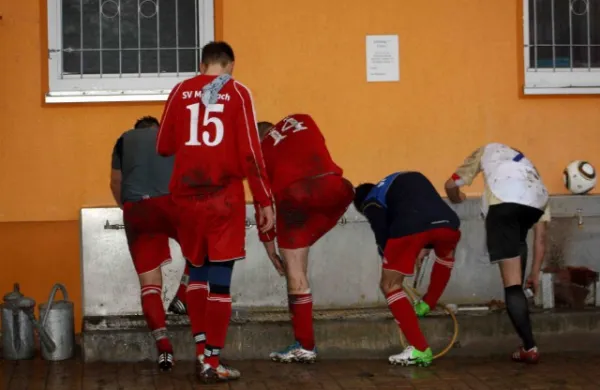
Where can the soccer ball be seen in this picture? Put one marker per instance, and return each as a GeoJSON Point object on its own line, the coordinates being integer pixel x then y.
{"type": "Point", "coordinates": [579, 177]}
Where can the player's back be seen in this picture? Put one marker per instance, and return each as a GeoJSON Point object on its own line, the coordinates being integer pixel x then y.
{"type": "Point", "coordinates": [207, 136]}
{"type": "Point", "coordinates": [144, 173]}
{"type": "Point", "coordinates": [416, 206]}
{"type": "Point", "coordinates": [295, 149]}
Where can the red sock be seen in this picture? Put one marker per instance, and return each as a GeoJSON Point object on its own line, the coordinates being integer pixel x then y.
{"type": "Point", "coordinates": [218, 310]}
{"type": "Point", "coordinates": [302, 321]}
{"type": "Point", "coordinates": [197, 293]}
{"type": "Point", "coordinates": [182, 291]}
{"type": "Point", "coordinates": [406, 318]}
{"type": "Point", "coordinates": [154, 312]}
{"type": "Point", "coordinates": [440, 275]}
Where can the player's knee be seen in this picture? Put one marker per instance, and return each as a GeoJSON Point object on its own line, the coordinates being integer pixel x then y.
{"type": "Point", "coordinates": [298, 283]}
{"type": "Point", "coordinates": [219, 274]}
{"type": "Point", "coordinates": [199, 274]}
{"type": "Point", "coordinates": [153, 277]}
{"type": "Point", "coordinates": [390, 281]}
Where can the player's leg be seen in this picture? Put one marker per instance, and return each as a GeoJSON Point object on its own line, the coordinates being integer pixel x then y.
{"type": "Point", "coordinates": [149, 251]}
{"type": "Point", "coordinates": [399, 261]}
{"type": "Point", "coordinates": [178, 304]}
{"type": "Point", "coordinates": [444, 241]}
{"type": "Point", "coordinates": [503, 242]}
{"type": "Point", "coordinates": [197, 294]}
{"type": "Point", "coordinates": [300, 305]}
{"type": "Point", "coordinates": [226, 235]}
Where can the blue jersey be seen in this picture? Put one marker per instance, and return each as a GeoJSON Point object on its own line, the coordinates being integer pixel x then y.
{"type": "Point", "coordinates": [406, 203]}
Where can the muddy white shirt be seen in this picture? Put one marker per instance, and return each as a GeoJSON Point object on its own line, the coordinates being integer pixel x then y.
{"type": "Point", "coordinates": [509, 177]}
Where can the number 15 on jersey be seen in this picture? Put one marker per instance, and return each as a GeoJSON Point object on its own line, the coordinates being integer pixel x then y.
{"type": "Point", "coordinates": [211, 125]}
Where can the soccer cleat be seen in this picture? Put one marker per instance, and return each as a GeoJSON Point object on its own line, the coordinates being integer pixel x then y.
{"type": "Point", "coordinates": [412, 357]}
{"type": "Point", "coordinates": [207, 374]}
{"type": "Point", "coordinates": [294, 353]}
{"type": "Point", "coordinates": [531, 357]}
{"type": "Point", "coordinates": [165, 361]}
{"type": "Point", "coordinates": [422, 309]}
{"type": "Point", "coordinates": [177, 307]}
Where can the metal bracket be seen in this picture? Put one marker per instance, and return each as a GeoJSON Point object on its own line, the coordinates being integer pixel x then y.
{"type": "Point", "coordinates": [116, 226]}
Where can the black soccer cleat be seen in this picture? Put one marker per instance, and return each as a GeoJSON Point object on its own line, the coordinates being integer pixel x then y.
{"type": "Point", "coordinates": [177, 307]}
{"type": "Point", "coordinates": [165, 361]}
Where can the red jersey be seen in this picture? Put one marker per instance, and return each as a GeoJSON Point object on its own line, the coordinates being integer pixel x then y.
{"type": "Point", "coordinates": [295, 149]}
{"type": "Point", "coordinates": [214, 145]}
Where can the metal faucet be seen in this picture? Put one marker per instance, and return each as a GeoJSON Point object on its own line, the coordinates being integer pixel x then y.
{"type": "Point", "coordinates": [579, 215]}
{"type": "Point", "coordinates": [115, 226]}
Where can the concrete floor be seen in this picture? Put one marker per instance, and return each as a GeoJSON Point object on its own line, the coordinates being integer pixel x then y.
{"type": "Point", "coordinates": [564, 371]}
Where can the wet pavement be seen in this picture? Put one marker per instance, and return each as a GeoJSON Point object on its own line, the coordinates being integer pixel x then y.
{"type": "Point", "coordinates": [569, 371]}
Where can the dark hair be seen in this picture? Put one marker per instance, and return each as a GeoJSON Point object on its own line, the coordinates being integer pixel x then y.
{"type": "Point", "coordinates": [360, 194]}
{"type": "Point", "coordinates": [217, 53]}
{"type": "Point", "coordinates": [263, 128]}
{"type": "Point", "coordinates": [145, 122]}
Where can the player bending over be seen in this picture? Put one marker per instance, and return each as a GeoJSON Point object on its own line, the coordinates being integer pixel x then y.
{"type": "Point", "coordinates": [209, 125]}
{"type": "Point", "coordinates": [140, 185]}
{"type": "Point", "coordinates": [514, 201]}
{"type": "Point", "coordinates": [310, 197]}
{"type": "Point", "coordinates": [408, 215]}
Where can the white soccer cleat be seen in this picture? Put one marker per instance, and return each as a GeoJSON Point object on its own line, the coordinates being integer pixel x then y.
{"type": "Point", "coordinates": [412, 357]}
{"type": "Point", "coordinates": [294, 353]}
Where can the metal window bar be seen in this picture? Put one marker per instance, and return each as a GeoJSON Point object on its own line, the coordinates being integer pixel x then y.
{"type": "Point", "coordinates": [158, 38]}
{"type": "Point", "coordinates": [177, 35]}
{"type": "Point", "coordinates": [196, 36]}
{"type": "Point", "coordinates": [120, 38]}
{"type": "Point", "coordinates": [62, 42]}
{"type": "Point", "coordinates": [100, 16]}
{"type": "Point", "coordinates": [571, 35]}
{"type": "Point", "coordinates": [535, 40]}
{"type": "Point", "coordinates": [139, 36]}
{"type": "Point", "coordinates": [553, 27]}
{"type": "Point", "coordinates": [589, 34]}
{"type": "Point", "coordinates": [81, 38]}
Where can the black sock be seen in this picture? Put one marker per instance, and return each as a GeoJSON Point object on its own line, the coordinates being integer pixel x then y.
{"type": "Point", "coordinates": [518, 311]}
{"type": "Point", "coordinates": [523, 253]}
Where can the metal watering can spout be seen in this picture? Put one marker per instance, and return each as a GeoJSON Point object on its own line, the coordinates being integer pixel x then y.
{"type": "Point", "coordinates": [44, 336]}
{"type": "Point", "coordinates": [12, 300]}
{"type": "Point", "coordinates": [56, 326]}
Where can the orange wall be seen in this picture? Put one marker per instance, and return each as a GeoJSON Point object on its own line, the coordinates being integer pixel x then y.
{"type": "Point", "coordinates": [461, 78]}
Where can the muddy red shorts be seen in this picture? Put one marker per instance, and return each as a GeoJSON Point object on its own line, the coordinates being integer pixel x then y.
{"type": "Point", "coordinates": [148, 225]}
{"type": "Point", "coordinates": [401, 253]}
{"type": "Point", "coordinates": [309, 208]}
{"type": "Point", "coordinates": [213, 226]}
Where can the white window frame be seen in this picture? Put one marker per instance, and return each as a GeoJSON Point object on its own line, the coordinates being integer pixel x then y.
{"type": "Point", "coordinates": [112, 88]}
{"type": "Point", "coordinates": [559, 81]}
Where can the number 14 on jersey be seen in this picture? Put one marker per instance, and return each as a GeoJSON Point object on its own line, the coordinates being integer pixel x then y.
{"type": "Point", "coordinates": [289, 124]}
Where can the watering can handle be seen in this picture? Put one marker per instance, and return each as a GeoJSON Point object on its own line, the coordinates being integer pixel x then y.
{"type": "Point", "coordinates": [63, 290]}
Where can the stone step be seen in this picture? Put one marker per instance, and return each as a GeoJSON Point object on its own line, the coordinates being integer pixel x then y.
{"type": "Point", "coordinates": [343, 334]}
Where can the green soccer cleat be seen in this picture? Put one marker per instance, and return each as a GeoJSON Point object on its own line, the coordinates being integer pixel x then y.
{"type": "Point", "coordinates": [412, 357]}
{"type": "Point", "coordinates": [422, 309]}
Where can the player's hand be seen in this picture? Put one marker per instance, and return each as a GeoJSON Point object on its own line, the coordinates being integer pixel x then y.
{"type": "Point", "coordinates": [422, 255]}
{"type": "Point", "coordinates": [462, 196]}
{"type": "Point", "coordinates": [274, 257]}
{"type": "Point", "coordinates": [533, 282]}
{"type": "Point", "coordinates": [266, 219]}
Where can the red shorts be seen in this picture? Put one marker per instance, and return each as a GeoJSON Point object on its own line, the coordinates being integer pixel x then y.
{"type": "Point", "coordinates": [148, 225]}
{"type": "Point", "coordinates": [214, 226]}
{"type": "Point", "coordinates": [309, 208]}
{"type": "Point", "coordinates": [401, 253]}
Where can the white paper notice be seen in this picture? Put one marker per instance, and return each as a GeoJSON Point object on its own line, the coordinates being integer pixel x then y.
{"type": "Point", "coordinates": [383, 58]}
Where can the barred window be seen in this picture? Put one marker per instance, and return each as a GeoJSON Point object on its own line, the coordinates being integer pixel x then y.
{"type": "Point", "coordinates": [124, 50]}
{"type": "Point", "coordinates": [562, 46]}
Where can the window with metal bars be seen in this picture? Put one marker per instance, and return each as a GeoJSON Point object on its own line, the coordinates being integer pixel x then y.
{"type": "Point", "coordinates": [124, 50]}
{"type": "Point", "coordinates": [562, 46]}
